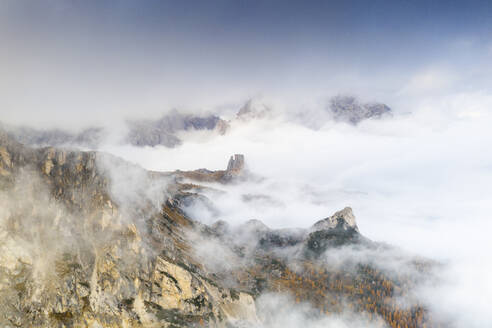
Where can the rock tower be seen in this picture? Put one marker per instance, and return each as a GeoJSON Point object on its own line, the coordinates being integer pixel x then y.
{"type": "Point", "coordinates": [236, 163]}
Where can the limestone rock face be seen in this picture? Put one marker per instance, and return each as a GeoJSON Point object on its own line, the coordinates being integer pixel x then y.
{"type": "Point", "coordinates": [73, 254]}
{"type": "Point", "coordinates": [236, 163]}
{"type": "Point", "coordinates": [6, 161]}
{"type": "Point", "coordinates": [343, 219]}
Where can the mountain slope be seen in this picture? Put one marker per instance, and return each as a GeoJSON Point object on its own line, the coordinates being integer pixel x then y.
{"type": "Point", "coordinates": [90, 240]}
{"type": "Point", "coordinates": [72, 256]}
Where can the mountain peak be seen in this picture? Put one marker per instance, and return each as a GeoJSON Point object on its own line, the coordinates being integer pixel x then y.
{"type": "Point", "coordinates": [253, 109]}
{"type": "Point", "coordinates": [344, 219]}
{"type": "Point", "coordinates": [351, 110]}
{"type": "Point", "coordinates": [236, 163]}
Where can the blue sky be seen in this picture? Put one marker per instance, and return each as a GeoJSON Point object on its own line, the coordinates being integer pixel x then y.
{"type": "Point", "coordinates": [128, 56]}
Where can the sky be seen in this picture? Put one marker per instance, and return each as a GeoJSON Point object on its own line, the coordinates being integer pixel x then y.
{"type": "Point", "coordinates": [90, 62]}
{"type": "Point", "coordinates": [419, 180]}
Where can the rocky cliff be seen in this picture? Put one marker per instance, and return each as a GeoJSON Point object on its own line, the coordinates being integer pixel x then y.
{"type": "Point", "coordinates": [73, 256]}
{"type": "Point", "coordinates": [236, 171]}
{"type": "Point", "coordinates": [88, 240]}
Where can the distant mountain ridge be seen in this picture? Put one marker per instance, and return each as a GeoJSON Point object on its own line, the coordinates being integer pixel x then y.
{"type": "Point", "coordinates": [160, 132]}
{"type": "Point", "coordinates": [165, 131]}
{"type": "Point", "coordinates": [351, 110]}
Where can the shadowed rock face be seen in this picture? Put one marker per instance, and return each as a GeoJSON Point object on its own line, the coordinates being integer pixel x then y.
{"type": "Point", "coordinates": [162, 131]}
{"type": "Point", "coordinates": [350, 109]}
{"type": "Point", "coordinates": [320, 241]}
{"type": "Point", "coordinates": [340, 229]}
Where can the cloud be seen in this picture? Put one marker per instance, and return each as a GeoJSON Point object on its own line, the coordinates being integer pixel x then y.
{"type": "Point", "coordinates": [279, 310]}
{"type": "Point", "coordinates": [429, 80]}
{"type": "Point", "coordinates": [419, 181]}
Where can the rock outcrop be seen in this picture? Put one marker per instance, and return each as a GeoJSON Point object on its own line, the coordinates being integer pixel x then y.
{"type": "Point", "coordinates": [349, 109]}
{"type": "Point", "coordinates": [236, 163]}
{"type": "Point", "coordinates": [235, 168]}
{"type": "Point", "coordinates": [235, 172]}
{"type": "Point", "coordinates": [343, 219]}
{"type": "Point", "coordinates": [163, 131]}
{"type": "Point", "coordinates": [340, 229]}
{"type": "Point", "coordinates": [252, 110]}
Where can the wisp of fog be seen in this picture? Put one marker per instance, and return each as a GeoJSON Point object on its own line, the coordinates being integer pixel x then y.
{"type": "Point", "coordinates": [419, 180]}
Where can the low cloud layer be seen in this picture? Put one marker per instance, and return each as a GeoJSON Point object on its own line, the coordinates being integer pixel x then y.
{"type": "Point", "coordinates": [420, 181]}
{"type": "Point", "coordinates": [279, 310]}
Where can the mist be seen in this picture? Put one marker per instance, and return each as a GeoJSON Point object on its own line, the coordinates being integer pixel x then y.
{"type": "Point", "coordinates": [419, 180]}
{"type": "Point", "coordinates": [286, 313]}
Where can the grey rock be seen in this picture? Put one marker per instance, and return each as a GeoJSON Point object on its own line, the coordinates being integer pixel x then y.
{"type": "Point", "coordinates": [162, 131]}
{"type": "Point", "coordinates": [236, 163]}
{"type": "Point", "coordinates": [343, 219]}
{"type": "Point", "coordinates": [253, 110]}
{"type": "Point", "coordinates": [349, 109]}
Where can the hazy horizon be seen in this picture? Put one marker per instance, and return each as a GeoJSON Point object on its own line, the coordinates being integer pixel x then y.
{"type": "Point", "coordinates": [87, 62]}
